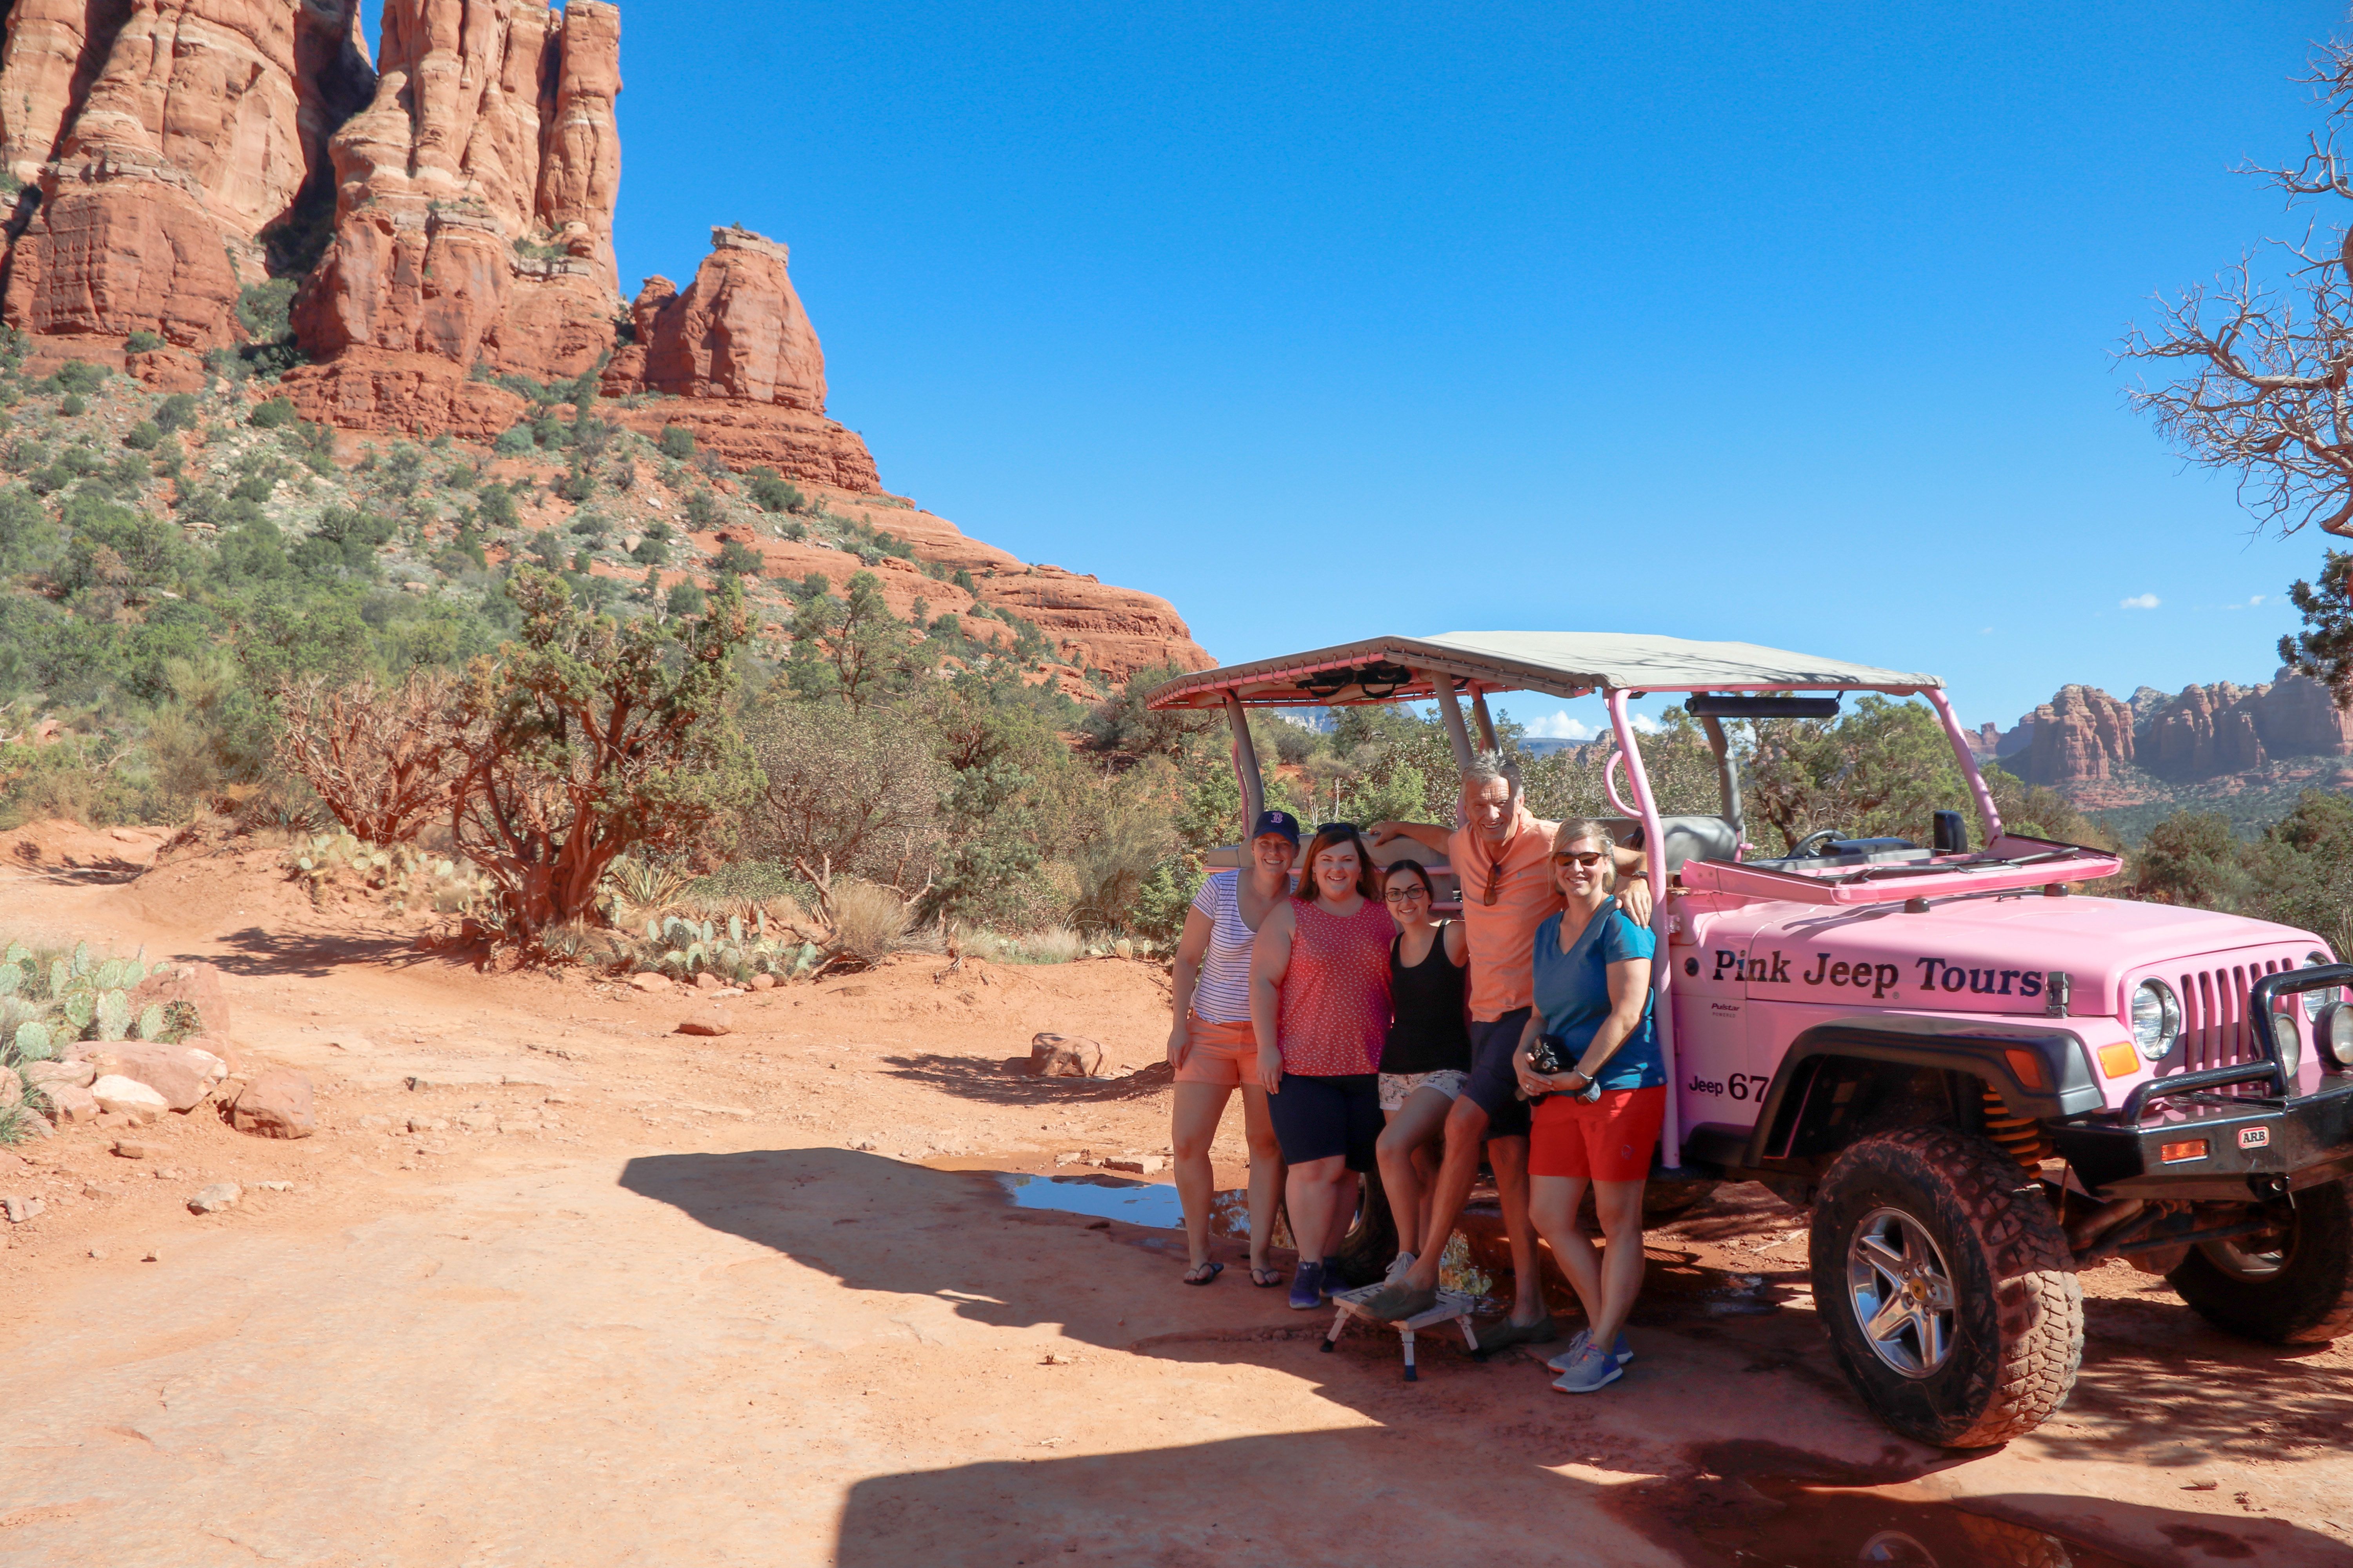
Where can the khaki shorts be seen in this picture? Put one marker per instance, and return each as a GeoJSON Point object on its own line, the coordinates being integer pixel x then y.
{"type": "Point", "coordinates": [1225, 1054]}
{"type": "Point", "coordinates": [1396, 1088]}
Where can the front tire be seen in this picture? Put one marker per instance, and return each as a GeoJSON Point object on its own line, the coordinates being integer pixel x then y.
{"type": "Point", "coordinates": [1945, 1285]}
{"type": "Point", "coordinates": [2293, 1290]}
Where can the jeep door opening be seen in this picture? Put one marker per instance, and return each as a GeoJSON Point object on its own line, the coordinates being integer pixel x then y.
{"type": "Point", "coordinates": [1977, 1080]}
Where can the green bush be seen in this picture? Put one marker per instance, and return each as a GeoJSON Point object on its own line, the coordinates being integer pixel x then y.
{"type": "Point", "coordinates": [738, 559]}
{"type": "Point", "coordinates": [685, 599]}
{"type": "Point", "coordinates": [72, 404]}
{"type": "Point", "coordinates": [144, 437]}
{"type": "Point", "coordinates": [274, 414]}
{"type": "Point", "coordinates": [177, 412]}
{"type": "Point", "coordinates": [650, 551]}
{"type": "Point", "coordinates": [772, 492]}
{"type": "Point", "coordinates": [80, 376]}
{"type": "Point", "coordinates": [143, 342]}
{"type": "Point", "coordinates": [676, 442]}
{"type": "Point", "coordinates": [514, 442]}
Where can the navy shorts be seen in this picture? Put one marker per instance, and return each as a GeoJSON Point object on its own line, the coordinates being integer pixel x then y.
{"type": "Point", "coordinates": [1316, 1117]}
{"type": "Point", "coordinates": [1493, 1087]}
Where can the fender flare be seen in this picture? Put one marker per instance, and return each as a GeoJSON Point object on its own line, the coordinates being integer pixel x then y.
{"type": "Point", "coordinates": [2057, 1057]}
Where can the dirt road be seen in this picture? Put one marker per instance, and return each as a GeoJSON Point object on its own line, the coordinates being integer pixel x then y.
{"type": "Point", "coordinates": [763, 1299]}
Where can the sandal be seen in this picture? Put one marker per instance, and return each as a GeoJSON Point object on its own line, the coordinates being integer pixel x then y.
{"type": "Point", "coordinates": [1194, 1276]}
{"type": "Point", "coordinates": [1266, 1278]}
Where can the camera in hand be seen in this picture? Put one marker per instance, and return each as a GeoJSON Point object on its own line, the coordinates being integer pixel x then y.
{"type": "Point", "coordinates": [1545, 1057]}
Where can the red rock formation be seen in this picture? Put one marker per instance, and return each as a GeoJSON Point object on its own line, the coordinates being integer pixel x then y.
{"type": "Point", "coordinates": [177, 135]}
{"type": "Point", "coordinates": [738, 353]}
{"type": "Point", "coordinates": [2298, 717]}
{"type": "Point", "coordinates": [473, 216]}
{"type": "Point", "coordinates": [2080, 735]}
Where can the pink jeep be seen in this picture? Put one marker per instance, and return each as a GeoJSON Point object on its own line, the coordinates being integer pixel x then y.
{"type": "Point", "coordinates": [1980, 1079]}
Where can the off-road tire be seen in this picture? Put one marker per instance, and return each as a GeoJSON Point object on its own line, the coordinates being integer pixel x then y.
{"type": "Point", "coordinates": [2309, 1301]}
{"type": "Point", "coordinates": [2017, 1316]}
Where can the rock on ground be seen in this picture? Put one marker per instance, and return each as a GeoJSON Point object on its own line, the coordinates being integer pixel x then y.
{"type": "Point", "coordinates": [128, 1097]}
{"type": "Point", "coordinates": [214, 1198]}
{"type": "Point", "coordinates": [275, 1105]}
{"type": "Point", "coordinates": [1065, 1055]}
{"type": "Point", "coordinates": [182, 1075]}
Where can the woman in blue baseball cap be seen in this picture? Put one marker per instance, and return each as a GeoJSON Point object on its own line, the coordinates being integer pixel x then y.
{"type": "Point", "coordinates": [1213, 1050]}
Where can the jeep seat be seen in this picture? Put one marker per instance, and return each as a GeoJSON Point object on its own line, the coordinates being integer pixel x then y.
{"type": "Point", "coordinates": [1688, 837]}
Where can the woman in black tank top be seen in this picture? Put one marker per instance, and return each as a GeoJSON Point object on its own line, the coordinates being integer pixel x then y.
{"type": "Point", "coordinates": [1426, 1055]}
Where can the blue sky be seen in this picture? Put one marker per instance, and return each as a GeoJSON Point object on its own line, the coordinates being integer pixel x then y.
{"type": "Point", "coordinates": [1784, 322]}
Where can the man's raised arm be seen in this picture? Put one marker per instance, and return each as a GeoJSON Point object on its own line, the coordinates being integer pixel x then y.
{"type": "Point", "coordinates": [1427, 835]}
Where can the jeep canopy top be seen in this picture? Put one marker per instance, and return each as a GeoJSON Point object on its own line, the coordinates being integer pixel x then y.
{"type": "Point", "coordinates": [1560, 664]}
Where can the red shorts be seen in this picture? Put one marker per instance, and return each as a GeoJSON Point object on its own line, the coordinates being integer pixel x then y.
{"type": "Point", "coordinates": [1607, 1140]}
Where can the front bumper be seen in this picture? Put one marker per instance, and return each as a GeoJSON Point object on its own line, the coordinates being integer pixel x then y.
{"type": "Point", "coordinates": [2215, 1146]}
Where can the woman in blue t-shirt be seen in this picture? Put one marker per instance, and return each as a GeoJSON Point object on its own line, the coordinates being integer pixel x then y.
{"type": "Point", "coordinates": [1597, 1120]}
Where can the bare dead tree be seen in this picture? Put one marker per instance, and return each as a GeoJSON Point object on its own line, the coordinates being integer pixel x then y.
{"type": "Point", "coordinates": [2264, 383]}
{"type": "Point", "coordinates": [383, 761]}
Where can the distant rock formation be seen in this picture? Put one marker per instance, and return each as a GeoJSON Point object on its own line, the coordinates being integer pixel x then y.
{"type": "Point", "coordinates": [2084, 736]}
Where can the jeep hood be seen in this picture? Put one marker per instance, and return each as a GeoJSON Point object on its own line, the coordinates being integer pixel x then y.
{"type": "Point", "coordinates": [1993, 956]}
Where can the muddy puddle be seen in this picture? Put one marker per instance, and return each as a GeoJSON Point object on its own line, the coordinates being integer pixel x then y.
{"type": "Point", "coordinates": [1153, 1205]}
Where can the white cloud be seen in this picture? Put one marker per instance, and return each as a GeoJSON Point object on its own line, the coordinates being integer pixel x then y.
{"type": "Point", "coordinates": [2139, 602]}
{"type": "Point", "coordinates": [1560, 727]}
{"type": "Point", "coordinates": [2254, 599]}
{"type": "Point", "coordinates": [1646, 725]}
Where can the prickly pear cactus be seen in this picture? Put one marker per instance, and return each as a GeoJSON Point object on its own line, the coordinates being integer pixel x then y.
{"type": "Point", "coordinates": [80, 1007]}
{"type": "Point", "coordinates": [707, 933]}
{"type": "Point", "coordinates": [108, 975]}
{"type": "Point", "coordinates": [82, 958]}
{"type": "Point", "coordinates": [33, 1042]}
{"type": "Point", "coordinates": [653, 931]}
{"type": "Point", "coordinates": [113, 1015]}
{"type": "Point", "coordinates": [134, 971]}
{"type": "Point", "coordinates": [181, 1019]}
{"type": "Point", "coordinates": [151, 1020]}
{"type": "Point", "coordinates": [60, 976]}
{"type": "Point", "coordinates": [18, 953]}
{"type": "Point", "coordinates": [11, 979]}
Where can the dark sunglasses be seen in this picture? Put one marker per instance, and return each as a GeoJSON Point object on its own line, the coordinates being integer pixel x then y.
{"type": "Point", "coordinates": [1588, 859]}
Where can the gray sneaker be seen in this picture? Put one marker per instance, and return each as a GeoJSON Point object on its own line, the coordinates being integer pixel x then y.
{"type": "Point", "coordinates": [1577, 1344]}
{"type": "Point", "coordinates": [1590, 1372]}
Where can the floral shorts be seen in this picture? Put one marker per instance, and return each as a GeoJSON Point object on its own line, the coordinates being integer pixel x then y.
{"type": "Point", "coordinates": [1396, 1088]}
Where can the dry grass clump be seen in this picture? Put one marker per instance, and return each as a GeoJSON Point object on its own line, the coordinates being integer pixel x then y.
{"type": "Point", "coordinates": [870, 922]}
{"type": "Point", "coordinates": [1055, 944]}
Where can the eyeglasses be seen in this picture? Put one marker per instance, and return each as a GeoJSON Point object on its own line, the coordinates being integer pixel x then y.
{"type": "Point", "coordinates": [1403, 894]}
{"type": "Point", "coordinates": [1588, 859]}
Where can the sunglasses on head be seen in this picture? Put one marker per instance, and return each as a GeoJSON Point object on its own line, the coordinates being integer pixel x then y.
{"type": "Point", "coordinates": [1350, 828]}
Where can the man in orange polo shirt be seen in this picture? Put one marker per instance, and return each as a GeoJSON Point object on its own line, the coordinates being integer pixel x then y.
{"type": "Point", "coordinates": [1503, 856]}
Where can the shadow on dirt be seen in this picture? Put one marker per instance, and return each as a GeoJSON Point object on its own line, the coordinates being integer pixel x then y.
{"type": "Point", "coordinates": [990, 1083]}
{"type": "Point", "coordinates": [255, 950]}
{"type": "Point", "coordinates": [1464, 1456]}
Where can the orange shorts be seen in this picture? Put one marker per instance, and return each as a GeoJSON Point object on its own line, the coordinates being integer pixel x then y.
{"type": "Point", "coordinates": [1607, 1140]}
{"type": "Point", "coordinates": [1222, 1053]}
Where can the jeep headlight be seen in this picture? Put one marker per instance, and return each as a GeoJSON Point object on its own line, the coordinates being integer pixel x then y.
{"type": "Point", "coordinates": [2314, 1000]}
{"type": "Point", "coordinates": [2288, 1041]}
{"type": "Point", "coordinates": [2333, 1032]}
{"type": "Point", "coordinates": [2156, 1020]}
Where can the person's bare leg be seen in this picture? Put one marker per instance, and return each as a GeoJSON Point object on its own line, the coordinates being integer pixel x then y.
{"type": "Point", "coordinates": [1399, 1150]}
{"type": "Point", "coordinates": [1266, 1173]}
{"type": "Point", "coordinates": [1193, 1127]}
{"type": "Point", "coordinates": [1466, 1129]}
{"type": "Point", "coordinates": [1308, 1189]}
{"type": "Point", "coordinates": [1509, 1157]}
{"type": "Point", "coordinates": [1552, 1209]}
{"type": "Point", "coordinates": [1425, 1170]}
{"type": "Point", "coordinates": [1343, 1214]}
{"type": "Point", "coordinates": [1619, 1207]}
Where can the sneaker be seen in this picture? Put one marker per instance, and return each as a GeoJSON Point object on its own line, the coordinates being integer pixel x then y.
{"type": "Point", "coordinates": [1331, 1280]}
{"type": "Point", "coordinates": [1397, 1266]}
{"type": "Point", "coordinates": [1577, 1344]}
{"type": "Point", "coordinates": [1398, 1301]}
{"type": "Point", "coordinates": [1307, 1287]}
{"type": "Point", "coordinates": [1596, 1369]}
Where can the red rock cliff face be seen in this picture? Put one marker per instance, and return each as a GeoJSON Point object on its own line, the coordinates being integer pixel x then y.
{"type": "Point", "coordinates": [162, 138]}
{"type": "Point", "coordinates": [473, 218]}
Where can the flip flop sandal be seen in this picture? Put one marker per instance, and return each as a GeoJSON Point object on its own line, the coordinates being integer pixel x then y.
{"type": "Point", "coordinates": [1268, 1279]}
{"type": "Point", "coordinates": [1214, 1269]}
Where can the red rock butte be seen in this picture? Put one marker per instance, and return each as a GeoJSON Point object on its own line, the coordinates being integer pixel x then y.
{"type": "Point", "coordinates": [446, 215]}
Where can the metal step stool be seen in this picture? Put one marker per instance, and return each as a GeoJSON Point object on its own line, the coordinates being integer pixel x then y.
{"type": "Point", "coordinates": [1452, 1306]}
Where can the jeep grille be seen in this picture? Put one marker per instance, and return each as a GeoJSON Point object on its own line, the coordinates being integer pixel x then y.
{"type": "Point", "coordinates": [2214, 1032]}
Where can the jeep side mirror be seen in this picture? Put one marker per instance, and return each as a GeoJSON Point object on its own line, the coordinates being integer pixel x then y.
{"type": "Point", "coordinates": [1952, 832]}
